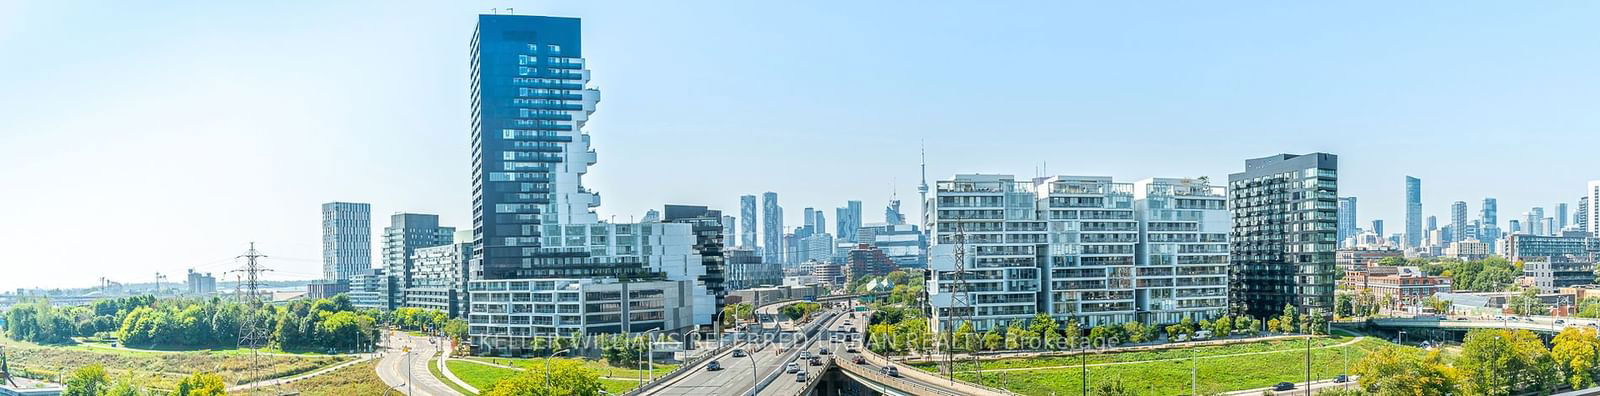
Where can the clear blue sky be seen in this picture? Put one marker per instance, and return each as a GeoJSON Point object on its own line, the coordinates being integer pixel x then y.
{"type": "Point", "coordinates": [139, 138]}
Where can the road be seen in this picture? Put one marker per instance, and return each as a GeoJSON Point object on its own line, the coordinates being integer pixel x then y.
{"type": "Point", "coordinates": [397, 372]}
{"type": "Point", "coordinates": [786, 385]}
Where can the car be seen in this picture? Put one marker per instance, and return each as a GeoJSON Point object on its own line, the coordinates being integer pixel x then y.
{"type": "Point", "coordinates": [800, 377]}
{"type": "Point", "coordinates": [1591, 324]}
{"type": "Point", "coordinates": [713, 366]}
{"type": "Point", "coordinates": [1341, 379]}
{"type": "Point", "coordinates": [805, 355]}
{"type": "Point", "coordinates": [835, 340]}
{"type": "Point", "coordinates": [815, 361]}
{"type": "Point", "coordinates": [1461, 319]}
{"type": "Point", "coordinates": [823, 351]}
{"type": "Point", "coordinates": [889, 371]}
{"type": "Point", "coordinates": [1499, 318]}
{"type": "Point", "coordinates": [791, 368]}
{"type": "Point", "coordinates": [739, 353]}
{"type": "Point", "coordinates": [1283, 386]}
{"type": "Point", "coordinates": [851, 349]}
{"type": "Point", "coordinates": [1559, 321]}
{"type": "Point", "coordinates": [853, 330]}
{"type": "Point", "coordinates": [1529, 320]}
{"type": "Point", "coordinates": [859, 360]}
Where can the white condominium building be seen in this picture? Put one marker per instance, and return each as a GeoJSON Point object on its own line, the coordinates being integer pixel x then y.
{"type": "Point", "coordinates": [1080, 248]}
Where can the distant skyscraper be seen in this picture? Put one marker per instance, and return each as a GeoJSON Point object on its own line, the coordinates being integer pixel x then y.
{"type": "Point", "coordinates": [747, 222]}
{"type": "Point", "coordinates": [819, 223]}
{"type": "Point", "coordinates": [1289, 198]}
{"type": "Point", "coordinates": [1377, 227]}
{"type": "Point", "coordinates": [1491, 221]}
{"type": "Point", "coordinates": [1535, 221]}
{"type": "Point", "coordinates": [406, 233]}
{"type": "Point", "coordinates": [1432, 224]}
{"type": "Point", "coordinates": [651, 216]}
{"type": "Point", "coordinates": [1347, 218]}
{"type": "Point", "coordinates": [346, 239]}
{"type": "Point", "coordinates": [730, 228]}
{"type": "Point", "coordinates": [1514, 226]}
{"type": "Point", "coordinates": [1413, 212]}
{"type": "Point", "coordinates": [1458, 220]}
{"type": "Point", "coordinates": [771, 228]}
{"type": "Point", "coordinates": [1561, 216]}
{"type": "Point", "coordinates": [1581, 218]}
{"type": "Point", "coordinates": [891, 213]}
{"type": "Point", "coordinates": [848, 220]}
{"type": "Point", "coordinates": [1591, 203]}
{"type": "Point", "coordinates": [809, 218]}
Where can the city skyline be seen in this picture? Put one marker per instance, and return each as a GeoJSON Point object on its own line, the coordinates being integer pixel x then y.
{"type": "Point", "coordinates": [257, 172]}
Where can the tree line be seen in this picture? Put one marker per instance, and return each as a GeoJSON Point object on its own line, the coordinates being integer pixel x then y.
{"type": "Point", "coordinates": [185, 323]}
{"type": "Point", "coordinates": [901, 330]}
{"type": "Point", "coordinates": [1491, 362]}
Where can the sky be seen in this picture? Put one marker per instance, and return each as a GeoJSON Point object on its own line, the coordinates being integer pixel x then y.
{"type": "Point", "coordinates": [157, 137]}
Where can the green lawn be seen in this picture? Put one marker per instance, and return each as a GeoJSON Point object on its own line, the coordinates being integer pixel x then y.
{"type": "Point", "coordinates": [479, 376]}
{"type": "Point", "coordinates": [433, 368]}
{"type": "Point", "coordinates": [1215, 373]}
{"type": "Point", "coordinates": [617, 387]}
{"type": "Point", "coordinates": [483, 377]}
{"type": "Point", "coordinates": [599, 366]}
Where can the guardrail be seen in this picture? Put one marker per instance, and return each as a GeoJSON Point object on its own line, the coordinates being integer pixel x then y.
{"type": "Point", "coordinates": [693, 363]}
{"type": "Point", "coordinates": [688, 365]}
{"type": "Point", "coordinates": [809, 329]}
{"type": "Point", "coordinates": [961, 387]}
{"type": "Point", "coordinates": [916, 388]}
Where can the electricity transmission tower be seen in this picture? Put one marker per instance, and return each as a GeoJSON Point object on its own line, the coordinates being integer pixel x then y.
{"type": "Point", "coordinates": [251, 333]}
{"type": "Point", "coordinates": [960, 305]}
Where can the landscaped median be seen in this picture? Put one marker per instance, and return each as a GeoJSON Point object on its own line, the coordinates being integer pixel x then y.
{"type": "Point", "coordinates": [483, 372]}
{"type": "Point", "coordinates": [1166, 372]}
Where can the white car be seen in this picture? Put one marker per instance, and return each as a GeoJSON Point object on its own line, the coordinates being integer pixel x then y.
{"type": "Point", "coordinates": [792, 368]}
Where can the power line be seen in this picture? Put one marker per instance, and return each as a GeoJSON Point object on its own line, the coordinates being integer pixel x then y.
{"type": "Point", "coordinates": [251, 334]}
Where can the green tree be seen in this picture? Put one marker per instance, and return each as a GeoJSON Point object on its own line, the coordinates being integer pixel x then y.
{"type": "Point", "coordinates": [965, 338]}
{"type": "Point", "coordinates": [1135, 331]}
{"type": "Point", "coordinates": [1017, 336]}
{"type": "Point", "coordinates": [1494, 362]}
{"type": "Point", "coordinates": [1398, 371]}
{"type": "Point", "coordinates": [1046, 330]}
{"type": "Point", "coordinates": [1222, 327]}
{"type": "Point", "coordinates": [992, 340]}
{"type": "Point", "coordinates": [1576, 351]}
{"type": "Point", "coordinates": [88, 380]}
{"type": "Point", "coordinates": [565, 378]}
{"type": "Point", "coordinates": [1342, 306]}
{"type": "Point", "coordinates": [201, 384]}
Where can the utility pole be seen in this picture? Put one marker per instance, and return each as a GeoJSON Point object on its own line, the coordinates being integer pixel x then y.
{"type": "Point", "coordinates": [1308, 364]}
{"type": "Point", "coordinates": [251, 334]}
{"type": "Point", "coordinates": [1194, 373]}
{"type": "Point", "coordinates": [960, 305]}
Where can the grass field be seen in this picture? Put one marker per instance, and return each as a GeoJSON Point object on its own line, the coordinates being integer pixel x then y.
{"type": "Point", "coordinates": [483, 377]}
{"type": "Point", "coordinates": [1146, 373]}
{"type": "Point", "coordinates": [433, 368]}
{"type": "Point", "coordinates": [357, 379]}
{"type": "Point", "coordinates": [1141, 356]}
{"type": "Point", "coordinates": [599, 366]}
{"type": "Point", "coordinates": [160, 370]}
{"type": "Point", "coordinates": [479, 376]}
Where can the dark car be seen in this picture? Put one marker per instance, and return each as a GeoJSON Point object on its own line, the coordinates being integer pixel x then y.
{"type": "Point", "coordinates": [823, 351]}
{"type": "Point", "coordinates": [1341, 379]}
{"type": "Point", "coordinates": [851, 349]}
{"type": "Point", "coordinates": [816, 361]}
{"type": "Point", "coordinates": [713, 366]}
{"type": "Point", "coordinates": [889, 371]}
{"type": "Point", "coordinates": [858, 360]}
{"type": "Point", "coordinates": [1283, 386]}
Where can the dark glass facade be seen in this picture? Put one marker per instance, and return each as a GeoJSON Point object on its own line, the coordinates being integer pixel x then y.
{"type": "Point", "coordinates": [1285, 226]}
